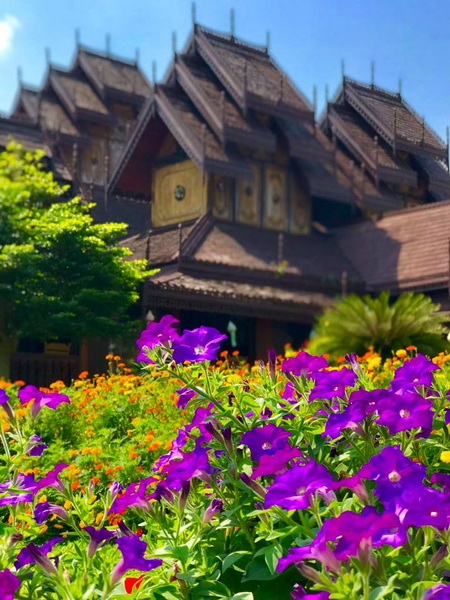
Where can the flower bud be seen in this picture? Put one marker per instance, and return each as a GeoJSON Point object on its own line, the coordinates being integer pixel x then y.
{"type": "Point", "coordinates": [251, 483]}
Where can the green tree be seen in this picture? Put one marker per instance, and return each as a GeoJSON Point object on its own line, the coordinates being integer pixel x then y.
{"type": "Point", "coordinates": [354, 323]}
{"type": "Point", "coordinates": [61, 274]}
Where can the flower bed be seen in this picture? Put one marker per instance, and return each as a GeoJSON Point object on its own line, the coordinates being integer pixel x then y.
{"type": "Point", "coordinates": [290, 480]}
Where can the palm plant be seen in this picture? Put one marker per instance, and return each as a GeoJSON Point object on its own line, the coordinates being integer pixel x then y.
{"type": "Point", "coordinates": [356, 322]}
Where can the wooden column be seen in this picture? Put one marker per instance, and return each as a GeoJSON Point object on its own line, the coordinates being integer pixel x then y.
{"type": "Point", "coordinates": [264, 338]}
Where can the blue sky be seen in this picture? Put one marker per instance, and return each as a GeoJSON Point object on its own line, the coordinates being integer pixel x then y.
{"type": "Point", "coordinates": [406, 38]}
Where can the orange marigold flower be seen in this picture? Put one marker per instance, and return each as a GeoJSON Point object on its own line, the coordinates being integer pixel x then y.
{"type": "Point", "coordinates": [75, 485]}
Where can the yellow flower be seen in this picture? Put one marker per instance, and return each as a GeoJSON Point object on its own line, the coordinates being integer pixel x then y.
{"type": "Point", "coordinates": [67, 504]}
{"type": "Point", "coordinates": [401, 353]}
{"type": "Point", "coordinates": [374, 362]}
{"type": "Point", "coordinates": [445, 456]}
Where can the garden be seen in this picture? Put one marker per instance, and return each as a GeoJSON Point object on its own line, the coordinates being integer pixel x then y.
{"type": "Point", "coordinates": [197, 475]}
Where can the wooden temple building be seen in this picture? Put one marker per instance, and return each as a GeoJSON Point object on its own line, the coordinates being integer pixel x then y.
{"type": "Point", "coordinates": [256, 214]}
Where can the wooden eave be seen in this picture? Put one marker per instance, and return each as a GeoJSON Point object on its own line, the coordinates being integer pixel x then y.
{"type": "Point", "coordinates": [395, 141]}
{"type": "Point", "coordinates": [325, 187]}
{"type": "Point", "coordinates": [378, 171]}
{"type": "Point", "coordinates": [304, 146]}
{"type": "Point", "coordinates": [244, 97]}
{"type": "Point", "coordinates": [193, 146]}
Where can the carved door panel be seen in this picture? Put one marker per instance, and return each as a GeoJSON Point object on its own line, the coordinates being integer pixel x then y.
{"type": "Point", "coordinates": [221, 196]}
{"type": "Point", "coordinates": [248, 198]}
{"type": "Point", "coordinates": [275, 197]}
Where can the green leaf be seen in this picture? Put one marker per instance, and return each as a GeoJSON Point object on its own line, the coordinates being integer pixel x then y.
{"type": "Point", "coordinates": [232, 558]}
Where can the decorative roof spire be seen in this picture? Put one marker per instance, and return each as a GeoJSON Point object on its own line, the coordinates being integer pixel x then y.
{"type": "Point", "coordinates": [174, 43]}
{"type": "Point", "coordinates": [343, 69]}
{"type": "Point", "coordinates": [194, 13]}
{"type": "Point", "coordinates": [77, 37]}
{"type": "Point", "coordinates": [400, 85]}
{"type": "Point", "coordinates": [232, 23]}
{"type": "Point", "coordinates": [154, 71]}
{"type": "Point", "coordinates": [267, 41]}
{"type": "Point", "coordinates": [108, 44]}
{"type": "Point", "coordinates": [19, 75]}
{"type": "Point", "coordinates": [48, 56]}
{"type": "Point", "coordinates": [372, 73]}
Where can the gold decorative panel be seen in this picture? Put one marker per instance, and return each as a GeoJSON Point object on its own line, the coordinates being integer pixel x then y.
{"type": "Point", "coordinates": [248, 198]}
{"type": "Point", "coordinates": [275, 197]}
{"type": "Point", "coordinates": [179, 194]}
{"type": "Point", "coordinates": [300, 221]}
{"type": "Point", "coordinates": [221, 196]}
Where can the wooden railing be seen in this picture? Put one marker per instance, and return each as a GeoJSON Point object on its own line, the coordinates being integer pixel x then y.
{"type": "Point", "coordinates": [43, 369]}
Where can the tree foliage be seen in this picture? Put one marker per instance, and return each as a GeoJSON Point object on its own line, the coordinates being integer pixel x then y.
{"type": "Point", "coordinates": [354, 323]}
{"type": "Point", "coordinates": [61, 274]}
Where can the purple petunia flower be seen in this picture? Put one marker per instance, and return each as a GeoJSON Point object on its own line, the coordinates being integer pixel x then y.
{"type": "Point", "coordinates": [402, 411]}
{"type": "Point", "coordinates": [421, 506]}
{"type": "Point", "coordinates": [156, 334]}
{"type": "Point", "coordinates": [393, 472]}
{"type": "Point", "coordinates": [350, 418]}
{"type": "Point", "coordinates": [416, 371]}
{"type": "Point", "coordinates": [133, 550]}
{"type": "Point", "coordinates": [36, 445]}
{"type": "Point", "coordinates": [303, 364]}
{"type": "Point", "coordinates": [332, 384]}
{"type": "Point", "coordinates": [349, 533]}
{"type": "Point", "coordinates": [197, 345]}
{"type": "Point", "coordinates": [192, 464]}
{"type": "Point", "coordinates": [294, 489]}
{"type": "Point", "coordinates": [443, 479]}
{"type": "Point", "coordinates": [98, 538]}
{"type": "Point", "coordinates": [4, 402]}
{"type": "Point", "coordinates": [175, 450]}
{"type": "Point", "coordinates": [44, 509]}
{"type": "Point", "coordinates": [134, 495]}
{"type": "Point", "coordinates": [25, 558]}
{"type": "Point", "coordinates": [299, 593]}
{"type": "Point", "coordinates": [441, 591]}
{"type": "Point", "coordinates": [14, 489]}
{"type": "Point", "coordinates": [275, 463]}
{"type": "Point", "coordinates": [51, 478]}
{"type": "Point", "coordinates": [216, 506]}
{"type": "Point", "coordinates": [9, 584]}
{"type": "Point", "coordinates": [184, 395]}
{"type": "Point", "coordinates": [41, 399]}
{"type": "Point", "coordinates": [265, 440]}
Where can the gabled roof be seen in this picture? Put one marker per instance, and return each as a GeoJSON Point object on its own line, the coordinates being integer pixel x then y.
{"type": "Point", "coordinates": [393, 119]}
{"type": "Point", "coordinates": [114, 77]}
{"type": "Point", "coordinates": [405, 250]}
{"type": "Point", "coordinates": [25, 133]}
{"type": "Point", "coordinates": [26, 101]}
{"type": "Point", "coordinates": [250, 75]}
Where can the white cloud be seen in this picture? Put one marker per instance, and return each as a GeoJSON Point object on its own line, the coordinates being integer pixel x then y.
{"type": "Point", "coordinates": [8, 26]}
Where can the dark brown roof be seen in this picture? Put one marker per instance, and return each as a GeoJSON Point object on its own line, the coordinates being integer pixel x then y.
{"type": "Point", "coordinates": [313, 256]}
{"type": "Point", "coordinates": [76, 93]}
{"type": "Point", "coordinates": [221, 295]}
{"type": "Point", "coordinates": [438, 174]}
{"type": "Point", "coordinates": [393, 119]}
{"type": "Point", "coordinates": [250, 74]}
{"type": "Point", "coordinates": [25, 133]}
{"type": "Point", "coordinates": [54, 118]}
{"type": "Point", "coordinates": [408, 249]}
{"type": "Point", "coordinates": [28, 100]}
{"type": "Point", "coordinates": [111, 74]}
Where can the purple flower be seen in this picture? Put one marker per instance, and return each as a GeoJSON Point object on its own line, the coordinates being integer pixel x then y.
{"type": "Point", "coordinates": [349, 533]}
{"type": "Point", "coordinates": [133, 550]}
{"type": "Point", "coordinates": [184, 395]}
{"type": "Point", "coordinates": [441, 591]}
{"type": "Point", "coordinates": [156, 334]}
{"type": "Point", "coordinates": [416, 371]}
{"type": "Point", "coordinates": [36, 445]}
{"type": "Point", "coordinates": [265, 440]}
{"type": "Point", "coordinates": [350, 418]}
{"type": "Point", "coordinates": [98, 537]}
{"type": "Point", "coordinates": [9, 584]}
{"type": "Point", "coordinates": [197, 345]}
{"type": "Point", "coordinates": [443, 479]}
{"type": "Point", "coordinates": [13, 488]}
{"type": "Point", "coordinates": [299, 593]}
{"type": "Point", "coordinates": [41, 399]}
{"type": "Point", "coordinates": [423, 506]}
{"type": "Point", "coordinates": [44, 509]}
{"type": "Point", "coordinates": [405, 411]}
{"type": "Point", "coordinates": [275, 463]}
{"type": "Point", "coordinates": [303, 364]}
{"type": "Point", "coordinates": [294, 488]}
{"type": "Point", "coordinates": [25, 558]}
{"type": "Point", "coordinates": [393, 472]}
{"type": "Point", "coordinates": [332, 384]}
{"type": "Point", "coordinates": [4, 401]}
{"type": "Point", "coordinates": [216, 506]}
{"type": "Point", "coordinates": [51, 478]}
{"type": "Point", "coordinates": [175, 450]}
{"type": "Point", "coordinates": [134, 495]}
{"type": "Point", "coordinates": [192, 464]}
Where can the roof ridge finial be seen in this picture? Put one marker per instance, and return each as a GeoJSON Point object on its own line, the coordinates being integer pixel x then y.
{"type": "Point", "coordinates": [327, 96]}
{"type": "Point", "coordinates": [343, 69]}
{"type": "Point", "coordinates": [174, 43]}
{"type": "Point", "coordinates": [194, 13]}
{"type": "Point", "coordinates": [314, 106]}
{"type": "Point", "coordinates": [232, 23]}
{"type": "Point", "coordinates": [268, 41]}
{"type": "Point", "coordinates": [19, 76]}
{"type": "Point", "coordinates": [400, 86]}
{"type": "Point", "coordinates": [77, 37]}
{"type": "Point", "coordinates": [48, 55]}
{"type": "Point", "coordinates": [372, 74]}
{"type": "Point", "coordinates": [108, 44]}
{"type": "Point", "coordinates": [154, 71]}
{"type": "Point", "coordinates": [137, 55]}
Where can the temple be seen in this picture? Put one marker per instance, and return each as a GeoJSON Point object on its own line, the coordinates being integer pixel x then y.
{"type": "Point", "coordinates": [256, 213]}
